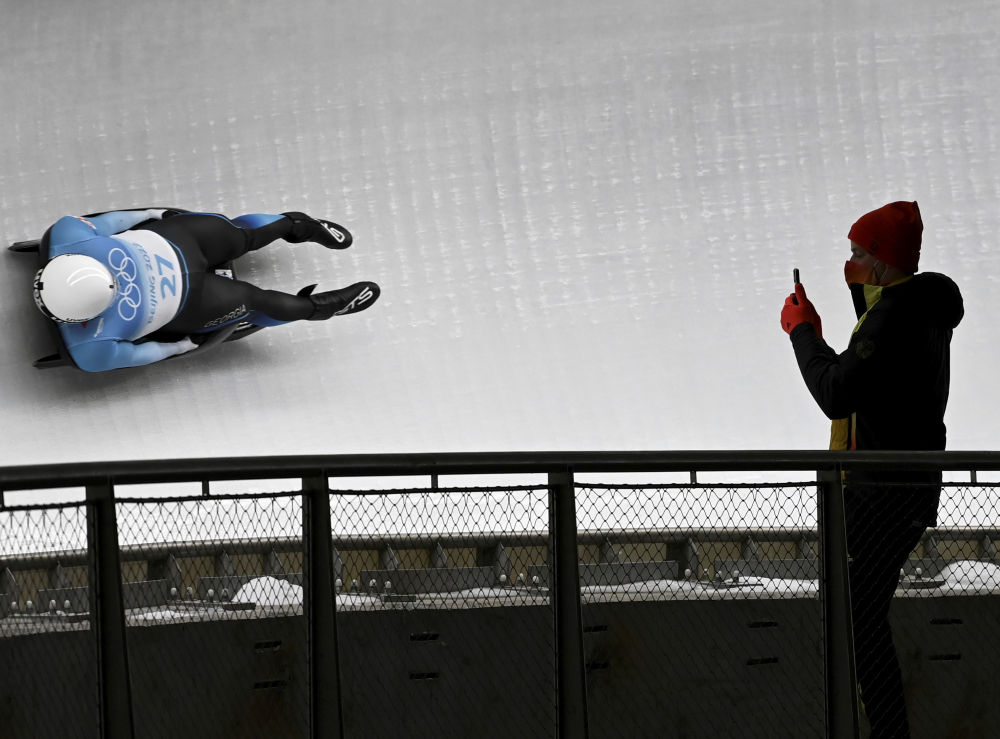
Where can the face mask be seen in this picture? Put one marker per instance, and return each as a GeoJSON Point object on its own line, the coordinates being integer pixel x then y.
{"type": "Point", "coordinates": [855, 273]}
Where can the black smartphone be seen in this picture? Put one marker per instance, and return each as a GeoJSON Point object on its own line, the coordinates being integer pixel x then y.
{"type": "Point", "coordinates": [795, 281]}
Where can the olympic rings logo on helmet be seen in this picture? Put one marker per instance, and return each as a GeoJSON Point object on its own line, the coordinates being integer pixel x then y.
{"type": "Point", "coordinates": [125, 272]}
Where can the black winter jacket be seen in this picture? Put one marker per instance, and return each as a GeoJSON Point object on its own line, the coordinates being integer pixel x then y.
{"type": "Point", "coordinates": [892, 380]}
{"type": "Point", "coordinates": [894, 374]}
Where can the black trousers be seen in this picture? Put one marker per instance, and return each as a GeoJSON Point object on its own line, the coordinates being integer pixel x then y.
{"type": "Point", "coordinates": [884, 524]}
{"type": "Point", "coordinates": [208, 241]}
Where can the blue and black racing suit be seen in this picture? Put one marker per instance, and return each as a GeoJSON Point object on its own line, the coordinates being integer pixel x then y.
{"type": "Point", "coordinates": [167, 288]}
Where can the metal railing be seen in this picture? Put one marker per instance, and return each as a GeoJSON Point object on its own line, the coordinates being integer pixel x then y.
{"type": "Point", "coordinates": [104, 557]}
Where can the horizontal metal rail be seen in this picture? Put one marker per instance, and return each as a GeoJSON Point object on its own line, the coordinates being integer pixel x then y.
{"type": "Point", "coordinates": [460, 463]}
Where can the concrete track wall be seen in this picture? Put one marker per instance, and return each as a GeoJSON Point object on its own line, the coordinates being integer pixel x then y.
{"type": "Point", "coordinates": [748, 668]}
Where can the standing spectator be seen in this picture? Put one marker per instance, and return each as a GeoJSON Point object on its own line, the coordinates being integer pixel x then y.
{"type": "Point", "coordinates": [887, 390]}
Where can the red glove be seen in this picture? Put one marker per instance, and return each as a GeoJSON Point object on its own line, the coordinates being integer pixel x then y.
{"type": "Point", "coordinates": [798, 310]}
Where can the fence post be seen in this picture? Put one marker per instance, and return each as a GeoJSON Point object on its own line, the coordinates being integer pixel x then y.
{"type": "Point", "coordinates": [838, 630]}
{"type": "Point", "coordinates": [107, 614]}
{"type": "Point", "coordinates": [564, 590]}
{"type": "Point", "coordinates": [320, 600]}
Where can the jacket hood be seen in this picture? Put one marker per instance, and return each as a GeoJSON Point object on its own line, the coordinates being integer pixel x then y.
{"type": "Point", "coordinates": [934, 297]}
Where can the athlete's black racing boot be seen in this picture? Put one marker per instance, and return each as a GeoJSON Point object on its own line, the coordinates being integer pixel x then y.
{"type": "Point", "coordinates": [340, 302]}
{"type": "Point", "coordinates": [317, 230]}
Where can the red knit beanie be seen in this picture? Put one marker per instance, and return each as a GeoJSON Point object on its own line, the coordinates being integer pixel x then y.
{"type": "Point", "coordinates": [892, 234]}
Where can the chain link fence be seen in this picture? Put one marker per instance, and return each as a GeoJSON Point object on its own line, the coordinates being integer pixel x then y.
{"type": "Point", "coordinates": [924, 602]}
{"type": "Point", "coordinates": [701, 610]}
{"type": "Point", "coordinates": [48, 682]}
{"type": "Point", "coordinates": [209, 586]}
{"type": "Point", "coordinates": [443, 611]}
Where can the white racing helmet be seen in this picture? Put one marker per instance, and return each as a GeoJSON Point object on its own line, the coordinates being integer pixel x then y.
{"type": "Point", "coordinates": [72, 288]}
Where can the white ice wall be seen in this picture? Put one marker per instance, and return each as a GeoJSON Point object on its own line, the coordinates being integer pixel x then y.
{"type": "Point", "coordinates": [583, 215]}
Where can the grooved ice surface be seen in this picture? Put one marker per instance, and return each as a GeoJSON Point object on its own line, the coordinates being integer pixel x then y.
{"type": "Point", "coordinates": [583, 215]}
